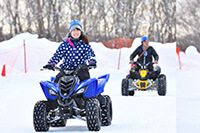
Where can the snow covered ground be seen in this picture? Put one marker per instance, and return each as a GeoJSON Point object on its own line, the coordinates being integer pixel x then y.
{"type": "Point", "coordinates": [188, 92]}
{"type": "Point", "coordinates": [143, 113]}
{"type": "Point", "coordinates": [146, 112]}
{"type": "Point", "coordinates": [188, 101]}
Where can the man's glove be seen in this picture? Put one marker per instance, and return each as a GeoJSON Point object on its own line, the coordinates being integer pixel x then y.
{"type": "Point", "coordinates": [131, 62]}
{"type": "Point", "coordinates": [155, 62]}
{"type": "Point", "coordinates": [49, 66]}
{"type": "Point", "coordinates": [92, 65]}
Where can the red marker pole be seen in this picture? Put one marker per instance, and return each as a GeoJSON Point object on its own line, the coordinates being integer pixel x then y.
{"type": "Point", "coordinates": [25, 57]}
{"type": "Point", "coordinates": [177, 52]}
{"type": "Point", "coordinates": [3, 73]}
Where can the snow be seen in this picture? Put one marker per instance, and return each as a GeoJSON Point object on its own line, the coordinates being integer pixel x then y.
{"type": "Point", "coordinates": [188, 105]}
{"type": "Point", "coordinates": [190, 59]}
{"type": "Point", "coordinates": [178, 111]}
{"type": "Point", "coordinates": [188, 92]}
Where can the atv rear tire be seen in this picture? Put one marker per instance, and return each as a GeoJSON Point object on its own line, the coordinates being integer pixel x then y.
{"type": "Point", "coordinates": [106, 111]}
{"type": "Point", "coordinates": [125, 87]}
{"type": "Point", "coordinates": [93, 114]}
{"type": "Point", "coordinates": [131, 93]}
{"type": "Point", "coordinates": [162, 85]}
{"type": "Point", "coordinates": [59, 123]}
{"type": "Point", "coordinates": [40, 116]}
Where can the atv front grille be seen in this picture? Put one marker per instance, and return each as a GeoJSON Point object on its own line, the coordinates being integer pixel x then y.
{"type": "Point", "coordinates": [142, 84]}
{"type": "Point", "coordinates": [67, 84]}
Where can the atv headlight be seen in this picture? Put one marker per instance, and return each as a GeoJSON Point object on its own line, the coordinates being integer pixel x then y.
{"type": "Point", "coordinates": [143, 73]}
{"type": "Point", "coordinates": [51, 92]}
{"type": "Point", "coordinates": [80, 91]}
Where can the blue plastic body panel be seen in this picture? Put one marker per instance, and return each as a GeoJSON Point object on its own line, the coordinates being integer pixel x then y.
{"type": "Point", "coordinates": [95, 87]}
{"type": "Point", "coordinates": [91, 89]}
{"type": "Point", "coordinates": [50, 85]}
{"type": "Point", "coordinates": [102, 80]}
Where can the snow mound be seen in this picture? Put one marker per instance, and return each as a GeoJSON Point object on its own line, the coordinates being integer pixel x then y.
{"type": "Point", "coordinates": [40, 50]}
{"type": "Point", "coordinates": [190, 59]}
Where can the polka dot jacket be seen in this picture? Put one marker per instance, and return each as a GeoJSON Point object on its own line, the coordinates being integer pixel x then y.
{"type": "Point", "coordinates": [73, 55]}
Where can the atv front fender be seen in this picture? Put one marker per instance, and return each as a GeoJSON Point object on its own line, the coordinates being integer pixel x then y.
{"type": "Point", "coordinates": [91, 90]}
{"type": "Point", "coordinates": [102, 80]}
{"type": "Point", "coordinates": [46, 86]}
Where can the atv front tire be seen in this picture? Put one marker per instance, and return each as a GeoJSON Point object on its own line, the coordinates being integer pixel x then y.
{"type": "Point", "coordinates": [106, 111]}
{"type": "Point", "coordinates": [40, 116]}
{"type": "Point", "coordinates": [125, 87]}
{"type": "Point", "coordinates": [131, 93]}
{"type": "Point", "coordinates": [59, 123]}
{"type": "Point", "coordinates": [93, 114]}
{"type": "Point", "coordinates": [162, 85]}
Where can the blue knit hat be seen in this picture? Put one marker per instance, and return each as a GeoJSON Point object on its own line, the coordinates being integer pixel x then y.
{"type": "Point", "coordinates": [74, 24]}
{"type": "Point", "coordinates": [144, 38]}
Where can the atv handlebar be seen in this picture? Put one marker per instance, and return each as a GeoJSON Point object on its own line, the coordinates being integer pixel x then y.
{"type": "Point", "coordinates": [69, 72]}
{"type": "Point", "coordinates": [135, 62]}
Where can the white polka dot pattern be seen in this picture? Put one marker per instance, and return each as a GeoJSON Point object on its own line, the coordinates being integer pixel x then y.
{"type": "Point", "coordinates": [72, 57]}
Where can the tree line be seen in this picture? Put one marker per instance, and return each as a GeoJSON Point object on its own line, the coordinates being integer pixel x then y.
{"type": "Point", "coordinates": [188, 16]}
{"type": "Point", "coordinates": [101, 20]}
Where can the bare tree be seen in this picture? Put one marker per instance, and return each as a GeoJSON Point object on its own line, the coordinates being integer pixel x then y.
{"type": "Point", "coordinates": [101, 20]}
{"type": "Point", "coordinates": [188, 15]}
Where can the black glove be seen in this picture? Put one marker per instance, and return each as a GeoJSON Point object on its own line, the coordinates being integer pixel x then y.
{"type": "Point", "coordinates": [49, 66]}
{"type": "Point", "coordinates": [92, 65]}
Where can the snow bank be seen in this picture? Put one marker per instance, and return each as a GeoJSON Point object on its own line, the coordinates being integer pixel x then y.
{"type": "Point", "coordinates": [190, 59]}
{"type": "Point", "coordinates": [39, 51]}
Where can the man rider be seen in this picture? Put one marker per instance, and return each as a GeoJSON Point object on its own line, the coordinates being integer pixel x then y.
{"type": "Point", "coordinates": [145, 54]}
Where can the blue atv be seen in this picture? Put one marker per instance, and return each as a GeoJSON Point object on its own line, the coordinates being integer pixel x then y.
{"type": "Point", "coordinates": [82, 101]}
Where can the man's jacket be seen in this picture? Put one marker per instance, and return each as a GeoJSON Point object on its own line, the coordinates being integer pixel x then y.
{"type": "Point", "coordinates": [146, 57]}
